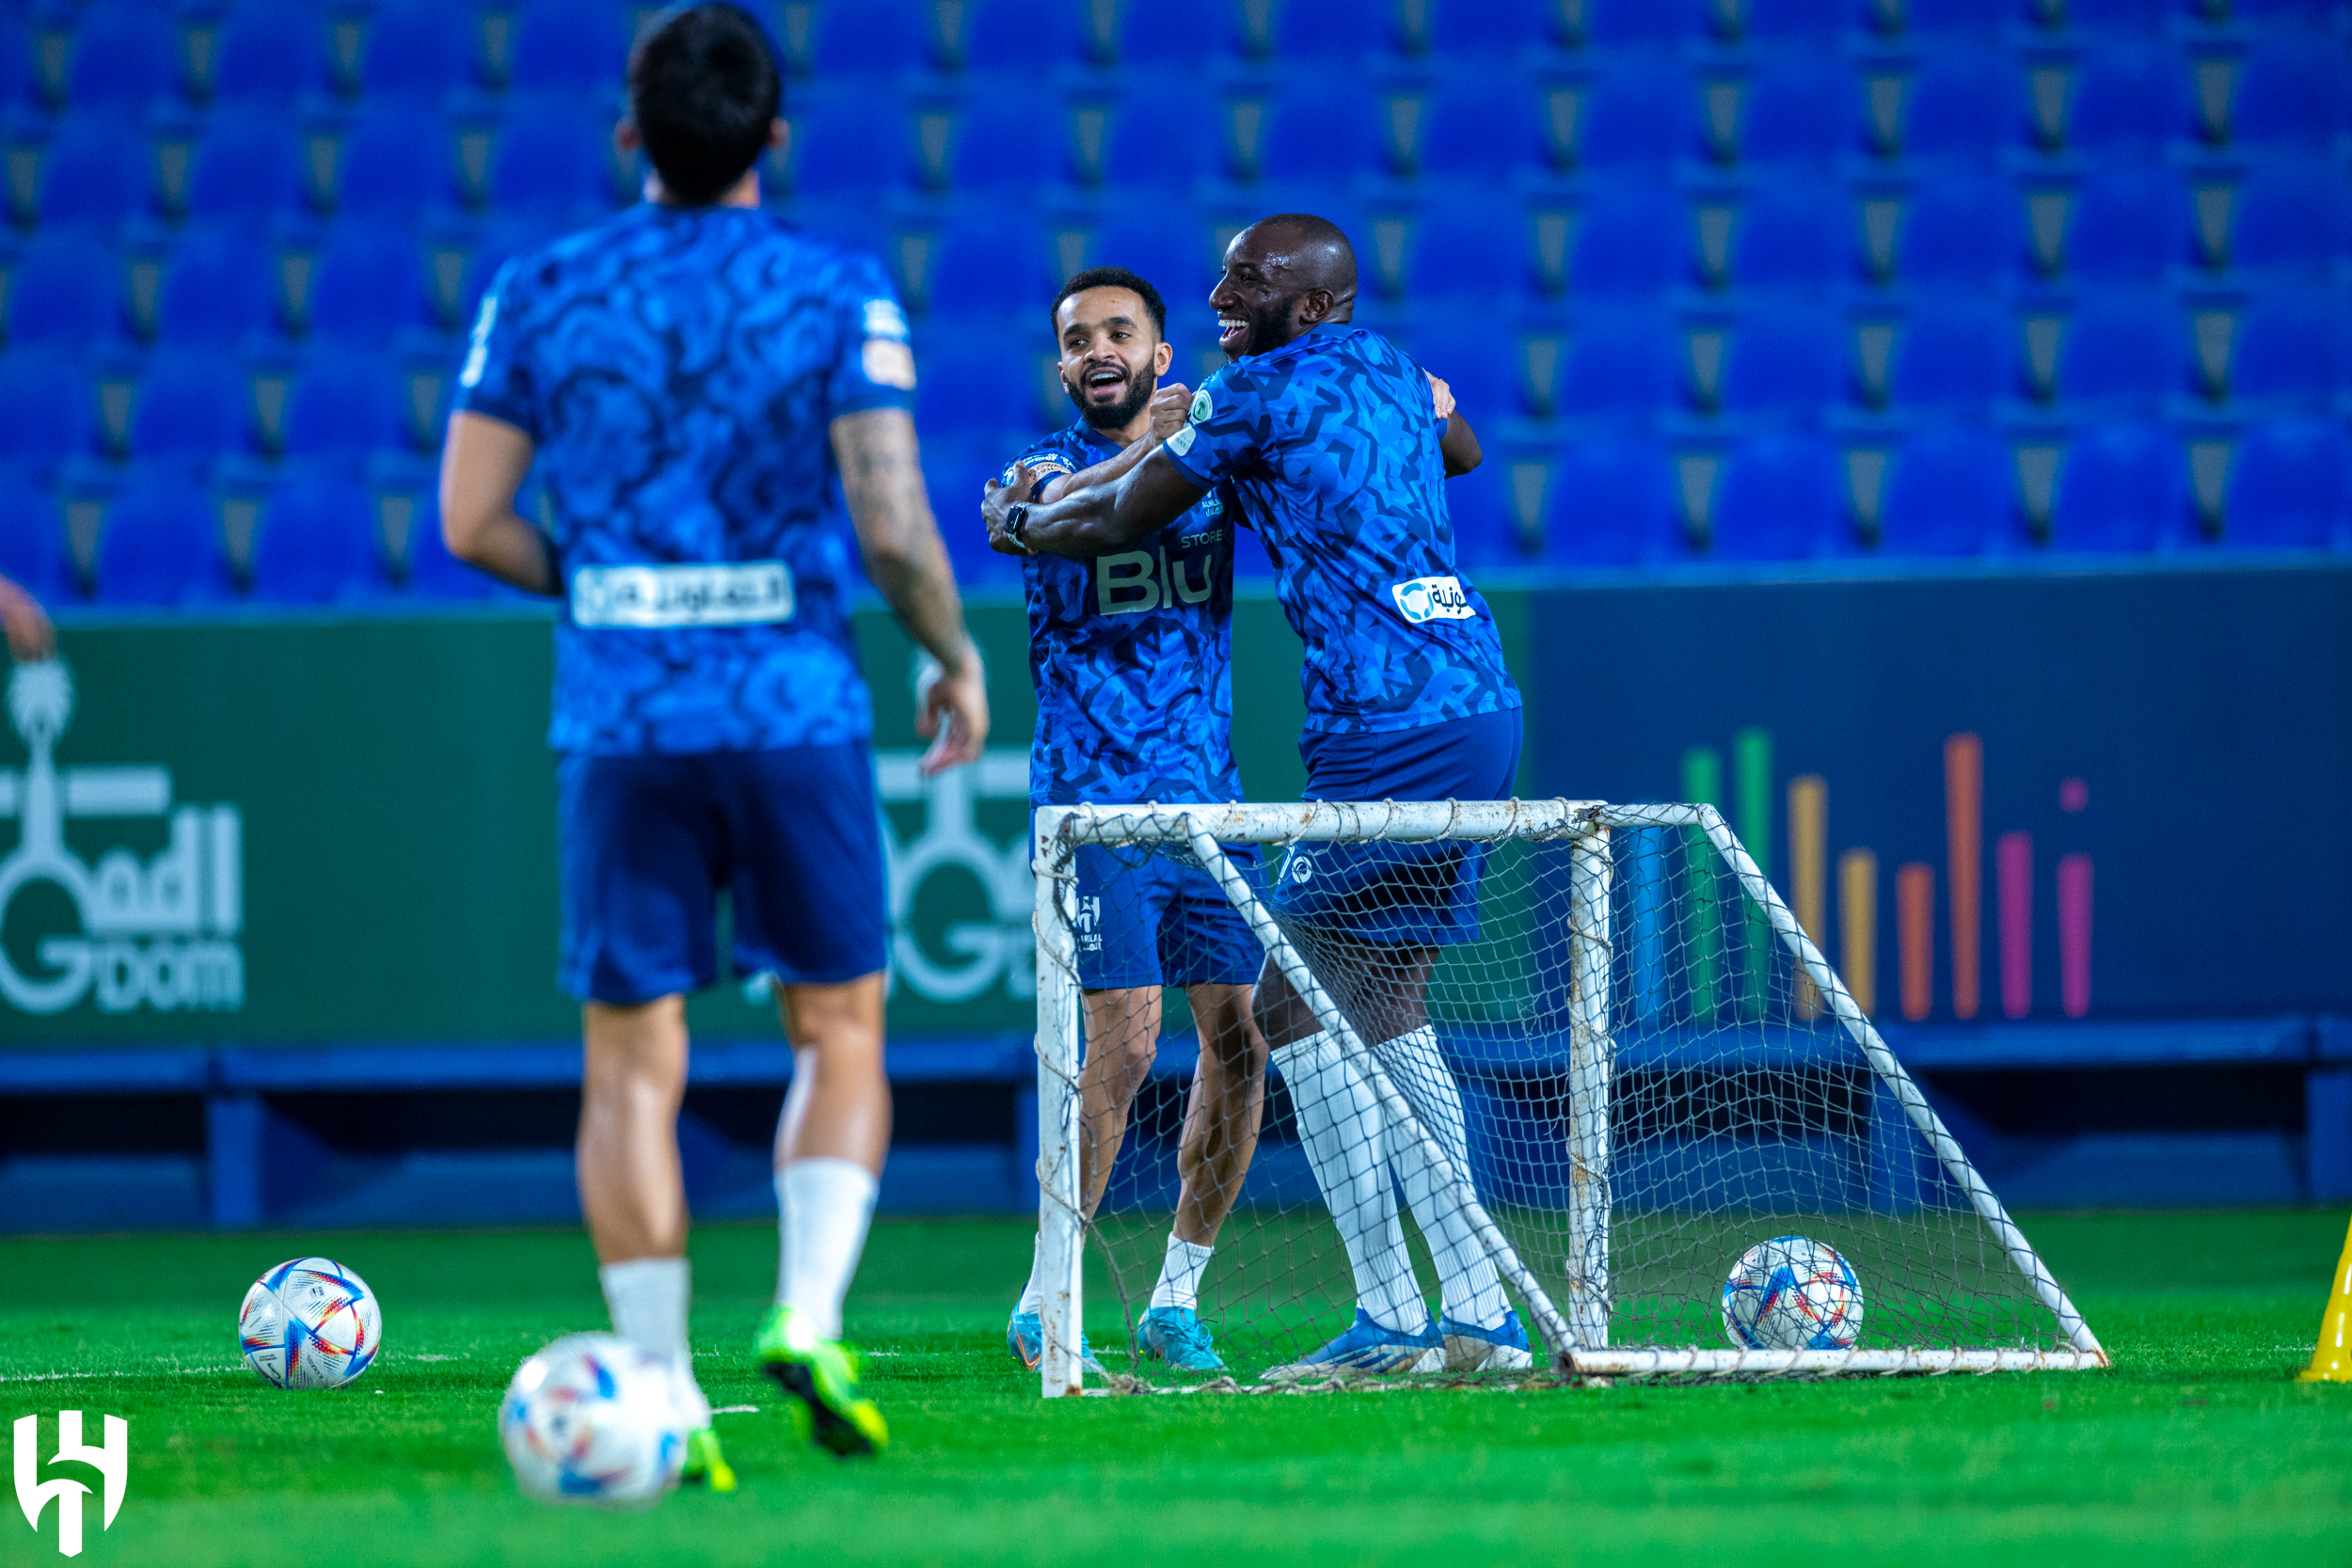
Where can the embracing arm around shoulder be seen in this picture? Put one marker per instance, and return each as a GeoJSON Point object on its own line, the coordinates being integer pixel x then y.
{"type": "Point", "coordinates": [1459, 445]}
{"type": "Point", "coordinates": [1090, 518]}
{"type": "Point", "coordinates": [483, 464]}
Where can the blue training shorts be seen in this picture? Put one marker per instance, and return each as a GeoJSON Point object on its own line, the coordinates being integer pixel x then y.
{"type": "Point", "coordinates": [793, 836]}
{"type": "Point", "coordinates": [1148, 918]}
{"type": "Point", "coordinates": [1398, 895]}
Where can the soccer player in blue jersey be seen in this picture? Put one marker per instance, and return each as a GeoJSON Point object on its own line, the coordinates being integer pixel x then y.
{"type": "Point", "coordinates": [1130, 653]}
{"type": "Point", "coordinates": [690, 377]}
{"type": "Point", "coordinates": [1324, 436]}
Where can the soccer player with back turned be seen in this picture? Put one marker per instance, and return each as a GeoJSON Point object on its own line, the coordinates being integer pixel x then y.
{"type": "Point", "coordinates": [689, 375]}
{"type": "Point", "coordinates": [1325, 435]}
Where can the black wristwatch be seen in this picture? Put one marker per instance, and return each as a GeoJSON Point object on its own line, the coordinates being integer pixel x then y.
{"type": "Point", "coordinates": [1017, 520]}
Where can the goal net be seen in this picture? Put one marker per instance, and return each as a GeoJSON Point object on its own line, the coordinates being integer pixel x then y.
{"type": "Point", "coordinates": [1575, 1059]}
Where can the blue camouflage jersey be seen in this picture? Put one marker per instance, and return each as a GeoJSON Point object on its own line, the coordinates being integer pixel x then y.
{"type": "Point", "coordinates": [677, 368]}
{"type": "Point", "coordinates": [1132, 655]}
{"type": "Point", "coordinates": [1330, 443]}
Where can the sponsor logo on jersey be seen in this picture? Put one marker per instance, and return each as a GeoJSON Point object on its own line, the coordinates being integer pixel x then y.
{"type": "Point", "coordinates": [1203, 406]}
{"type": "Point", "coordinates": [478, 352]}
{"type": "Point", "coordinates": [1132, 581]}
{"type": "Point", "coordinates": [888, 362]}
{"type": "Point", "coordinates": [111, 1459]}
{"type": "Point", "coordinates": [883, 319]}
{"type": "Point", "coordinates": [1299, 867]}
{"type": "Point", "coordinates": [657, 598]}
{"type": "Point", "coordinates": [1433, 599]}
{"type": "Point", "coordinates": [1181, 442]}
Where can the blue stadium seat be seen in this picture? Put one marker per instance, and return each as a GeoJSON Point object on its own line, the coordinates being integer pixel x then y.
{"type": "Point", "coordinates": [33, 550]}
{"type": "Point", "coordinates": [418, 49]}
{"type": "Point", "coordinates": [2292, 90]}
{"type": "Point", "coordinates": [1483, 127]}
{"type": "Point", "coordinates": [2122, 488]}
{"type": "Point", "coordinates": [1321, 29]}
{"type": "Point", "coordinates": [2292, 345]}
{"type": "Point", "coordinates": [270, 51]}
{"type": "Point", "coordinates": [1795, 21]}
{"type": "Point", "coordinates": [2130, 223]}
{"type": "Point", "coordinates": [98, 173]}
{"type": "Point", "coordinates": [16, 71]}
{"type": "Point", "coordinates": [316, 543]}
{"type": "Point", "coordinates": [1781, 497]}
{"type": "Point", "coordinates": [1622, 367]}
{"type": "Point", "coordinates": [397, 164]}
{"type": "Point", "coordinates": [1613, 504]}
{"type": "Point", "coordinates": [125, 55]}
{"type": "Point", "coordinates": [1955, 356]}
{"type": "Point", "coordinates": [1641, 24]}
{"type": "Point", "coordinates": [954, 471]}
{"type": "Point", "coordinates": [978, 382]}
{"type": "Point", "coordinates": [1014, 37]}
{"type": "Point", "coordinates": [1637, 117]}
{"type": "Point", "coordinates": [161, 545]}
{"type": "Point", "coordinates": [1146, 39]}
{"type": "Point", "coordinates": [247, 170]}
{"type": "Point", "coordinates": [1959, 232]}
{"type": "Point", "coordinates": [369, 283]}
{"type": "Point", "coordinates": [1786, 363]}
{"type": "Point", "coordinates": [2290, 218]}
{"type": "Point", "coordinates": [66, 292]}
{"type": "Point", "coordinates": [2124, 16]}
{"type": "Point", "coordinates": [433, 572]}
{"type": "Point", "coordinates": [218, 288]}
{"type": "Point", "coordinates": [1948, 494]}
{"type": "Point", "coordinates": [1473, 243]}
{"type": "Point", "coordinates": [2123, 350]}
{"type": "Point", "coordinates": [344, 406]}
{"type": "Point", "coordinates": [985, 262]}
{"type": "Point", "coordinates": [1009, 139]}
{"type": "Point", "coordinates": [2130, 99]}
{"type": "Point", "coordinates": [191, 409]}
{"type": "Point", "coordinates": [880, 37]}
{"type": "Point", "coordinates": [1957, 17]}
{"type": "Point", "coordinates": [1165, 241]}
{"type": "Point", "coordinates": [1322, 131]}
{"type": "Point", "coordinates": [575, 45]}
{"type": "Point", "coordinates": [48, 411]}
{"type": "Point", "coordinates": [1963, 106]}
{"type": "Point", "coordinates": [1795, 237]}
{"type": "Point", "coordinates": [1632, 241]}
{"type": "Point", "coordinates": [1142, 150]}
{"type": "Point", "coordinates": [857, 147]}
{"type": "Point", "coordinates": [1479, 363]}
{"type": "Point", "coordinates": [551, 155]}
{"type": "Point", "coordinates": [501, 238]}
{"type": "Point", "coordinates": [1486, 27]}
{"type": "Point", "coordinates": [1800, 111]}
{"type": "Point", "coordinates": [2291, 487]}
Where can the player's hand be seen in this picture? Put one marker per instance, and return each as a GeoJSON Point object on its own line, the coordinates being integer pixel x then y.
{"type": "Point", "coordinates": [1170, 408]}
{"type": "Point", "coordinates": [996, 500]}
{"type": "Point", "coordinates": [1442, 395]}
{"type": "Point", "coordinates": [30, 633]}
{"type": "Point", "coordinates": [951, 709]}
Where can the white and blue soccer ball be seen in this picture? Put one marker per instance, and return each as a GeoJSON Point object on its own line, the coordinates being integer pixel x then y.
{"type": "Point", "coordinates": [1792, 1292]}
{"type": "Point", "coordinates": [593, 1418]}
{"type": "Point", "coordinates": [310, 1324]}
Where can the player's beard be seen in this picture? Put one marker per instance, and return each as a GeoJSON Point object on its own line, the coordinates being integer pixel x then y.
{"type": "Point", "coordinates": [1116, 415]}
{"type": "Point", "coordinates": [1271, 325]}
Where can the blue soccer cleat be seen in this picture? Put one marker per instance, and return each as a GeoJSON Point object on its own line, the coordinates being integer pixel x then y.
{"type": "Point", "coordinates": [1177, 1337]}
{"type": "Point", "coordinates": [1367, 1347]}
{"type": "Point", "coordinates": [1500, 1348]}
{"type": "Point", "coordinates": [1024, 1335]}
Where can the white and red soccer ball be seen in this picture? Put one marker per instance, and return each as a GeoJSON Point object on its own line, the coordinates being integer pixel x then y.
{"type": "Point", "coordinates": [593, 1418]}
{"type": "Point", "coordinates": [1792, 1292]}
{"type": "Point", "coordinates": [310, 1324]}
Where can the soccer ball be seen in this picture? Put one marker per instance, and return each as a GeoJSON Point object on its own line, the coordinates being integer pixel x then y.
{"type": "Point", "coordinates": [593, 1418]}
{"type": "Point", "coordinates": [310, 1324]}
{"type": "Point", "coordinates": [1792, 1292]}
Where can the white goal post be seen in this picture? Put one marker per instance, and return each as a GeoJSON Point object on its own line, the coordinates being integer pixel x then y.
{"type": "Point", "coordinates": [1699, 883]}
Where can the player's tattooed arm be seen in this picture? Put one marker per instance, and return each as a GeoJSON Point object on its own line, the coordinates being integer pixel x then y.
{"type": "Point", "coordinates": [1170, 405]}
{"type": "Point", "coordinates": [483, 464]}
{"type": "Point", "coordinates": [882, 478]}
{"type": "Point", "coordinates": [1092, 519]}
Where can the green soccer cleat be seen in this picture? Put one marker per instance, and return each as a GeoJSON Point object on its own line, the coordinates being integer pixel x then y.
{"type": "Point", "coordinates": [822, 1376]}
{"type": "Point", "coordinates": [704, 1464]}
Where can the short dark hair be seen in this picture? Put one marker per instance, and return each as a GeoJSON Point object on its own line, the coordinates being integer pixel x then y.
{"type": "Point", "coordinates": [703, 88]}
{"type": "Point", "coordinates": [1116, 278]}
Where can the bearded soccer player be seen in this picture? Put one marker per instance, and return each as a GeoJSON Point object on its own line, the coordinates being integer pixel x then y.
{"type": "Point", "coordinates": [689, 375]}
{"type": "Point", "coordinates": [1325, 435]}
{"type": "Point", "coordinates": [1132, 656]}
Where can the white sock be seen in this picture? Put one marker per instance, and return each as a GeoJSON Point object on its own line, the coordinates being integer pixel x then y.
{"type": "Point", "coordinates": [1339, 1125]}
{"type": "Point", "coordinates": [1033, 1293]}
{"type": "Point", "coordinates": [1468, 1287]}
{"type": "Point", "coordinates": [823, 1207]}
{"type": "Point", "coordinates": [647, 1298]}
{"type": "Point", "coordinates": [1180, 1274]}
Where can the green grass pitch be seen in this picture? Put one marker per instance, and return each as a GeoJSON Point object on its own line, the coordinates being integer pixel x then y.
{"type": "Point", "coordinates": [2197, 1446]}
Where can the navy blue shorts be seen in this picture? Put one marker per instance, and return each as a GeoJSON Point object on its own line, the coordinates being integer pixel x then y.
{"type": "Point", "coordinates": [792, 835]}
{"type": "Point", "coordinates": [1398, 895]}
{"type": "Point", "coordinates": [1146, 918]}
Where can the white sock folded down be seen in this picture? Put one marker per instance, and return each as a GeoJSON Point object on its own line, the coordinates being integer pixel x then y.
{"type": "Point", "coordinates": [823, 1208]}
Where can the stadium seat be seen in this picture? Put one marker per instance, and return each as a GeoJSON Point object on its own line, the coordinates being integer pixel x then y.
{"type": "Point", "coordinates": [1470, 243]}
{"type": "Point", "coordinates": [2291, 487]}
{"type": "Point", "coordinates": [270, 53]}
{"type": "Point", "coordinates": [1636, 118]}
{"type": "Point", "coordinates": [1641, 24]}
{"type": "Point", "coordinates": [551, 155]}
{"type": "Point", "coordinates": [1483, 127]}
{"type": "Point", "coordinates": [499, 240]}
{"type": "Point", "coordinates": [246, 171]}
{"type": "Point", "coordinates": [433, 572]}
{"type": "Point", "coordinates": [986, 263]}
{"type": "Point", "coordinates": [2291, 91]}
{"type": "Point", "coordinates": [48, 411]}
{"type": "Point", "coordinates": [1798, 238]}
{"type": "Point", "coordinates": [1323, 30]}
{"type": "Point", "coordinates": [1959, 232]}
{"type": "Point", "coordinates": [1323, 132]}
{"type": "Point", "coordinates": [1632, 241]}
{"type": "Point", "coordinates": [1788, 363]}
{"type": "Point", "coordinates": [1622, 367]}
{"type": "Point", "coordinates": [2293, 346]}
{"type": "Point", "coordinates": [2122, 487]}
{"type": "Point", "coordinates": [877, 38]}
{"type": "Point", "coordinates": [1479, 363]}
{"type": "Point", "coordinates": [218, 288]}
{"type": "Point", "coordinates": [1612, 504]}
{"type": "Point", "coordinates": [417, 50]}
{"type": "Point", "coordinates": [1146, 39]}
{"type": "Point", "coordinates": [2129, 100]}
{"type": "Point", "coordinates": [973, 383]}
{"type": "Point", "coordinates": [1165, 241]}
{"type": "Point", "coordinates": [955, 469]}
{"type": "Point", "coordinates": [2129, 223]}
{"type": "Point", "coordinates": [1013, 37]}
{"type": "Point", "coordinates": [1486, 27]}
{"type": "Point", "coordinates": [97, 174]}
{"type": "Point", "coordinates": [1800, 111]}
{"type": "Point", "coordinates": [161, 545]}
{"type": "Point", "coordinates": [33, 549]}
{"type": "Point", "coordinates": [1009, 139]}
{"type": "Point", "coordinates": [1948, 494]}
{"type": "Point", "coordinates": [2290, 218]}
{"type": "Point", "coordinates": [16, 71]}
{"type": "Point", "coordinates": [66, 293]}
{"type": "Point", "coordinates": [369, 283]}
{"type": "Point", "coordinates": [2123, 16]}
{"type": "Point", "coordinates": [1954, 357]}
{"type": "Point", "coordinates": [1780, 499]}
{"type": "Point", "coordinates": [1962, 105]}
{"type": "Point", "coordinates": [125, 55]}
{"type": "Point", "coordinates": [577, 44]}
{"type": "Point", "coordinates": [857, 147]}
{"type": "Point", "coordinates": [1141, 152]}
{"type": "Point", "coordinates": [344, 406]}
{"type": "Point", "coordinates": [192, 408]}
{"type": "Point", "coordinates": [1957, 17]}
{"type": "Point", "coordinates": [2123, 350]}
{"type": "Point", "coordinates": [317, 542]}
{"type": "Point", "coordinates": [397, 164]}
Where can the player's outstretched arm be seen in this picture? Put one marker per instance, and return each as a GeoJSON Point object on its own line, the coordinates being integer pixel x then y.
{"type": "Point", "coordinates": [483, 464]}
{"type": "Point", "coordinates": [1092, 519]}
{"type": "Point", "coordinates": [881, 477]}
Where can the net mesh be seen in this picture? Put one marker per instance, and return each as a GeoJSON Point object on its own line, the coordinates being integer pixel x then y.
{"type": "Point", "coordinates": [1605, 1034]}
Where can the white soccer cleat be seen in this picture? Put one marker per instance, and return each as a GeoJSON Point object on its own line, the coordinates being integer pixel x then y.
{"type": "Point", "coordinates": [1500, 1348]}
{"type": "Point", "coordinates": [1367, 1347]}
